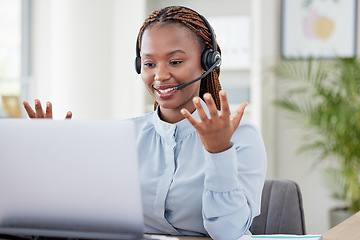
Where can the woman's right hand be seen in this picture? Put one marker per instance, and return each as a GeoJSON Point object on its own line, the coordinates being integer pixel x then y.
{"type": "Point", "coordinates": [39, 112]}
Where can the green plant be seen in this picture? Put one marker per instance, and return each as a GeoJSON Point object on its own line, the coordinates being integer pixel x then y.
{"type": "Point", "coordinates": [325, 97]}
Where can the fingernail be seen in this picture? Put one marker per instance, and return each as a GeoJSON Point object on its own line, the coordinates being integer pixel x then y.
{"type": "Point", "coordinates": [222, 93]}
{"type": "Point", "coordinates": [47, 104]}
{"type": "Point", "coordinates": [196, 100]}
{"type": "Point", "coordinates": [207, 96]}
{"type": "Point", "coordinates": [182, 111]}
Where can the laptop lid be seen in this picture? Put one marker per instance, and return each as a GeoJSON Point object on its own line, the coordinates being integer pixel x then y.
{"type": "Point", "coordinates": [69, 178]}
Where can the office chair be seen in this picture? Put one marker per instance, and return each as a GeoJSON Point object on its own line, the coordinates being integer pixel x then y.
{"type": "Point", "coordinates": [281, 209]}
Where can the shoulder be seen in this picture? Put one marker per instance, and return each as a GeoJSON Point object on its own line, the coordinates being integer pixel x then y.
{"type": "Point", "coordinates": [248, 133]}
{"type": "Point", "coordinates": [248, 141]}
{"type": "Point", "coordinates": [246, 126]}
{"type": "Point", "coordinates": [143, 122]}
{"type": "Point", "coordinates": [143, 118]}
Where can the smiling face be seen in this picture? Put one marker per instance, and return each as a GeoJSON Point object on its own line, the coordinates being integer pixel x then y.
{"type": "Point", "coordinates": [170, 56]}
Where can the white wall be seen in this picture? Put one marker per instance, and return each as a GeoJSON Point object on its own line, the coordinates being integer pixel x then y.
{"type": "Point", "coordinates": [127, 88]}
{"type": "Point", "coordinates": [82, 52]}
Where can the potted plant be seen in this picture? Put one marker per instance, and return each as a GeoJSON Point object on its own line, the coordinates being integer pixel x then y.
{"type": "Point", "coordinates": [325, 97]}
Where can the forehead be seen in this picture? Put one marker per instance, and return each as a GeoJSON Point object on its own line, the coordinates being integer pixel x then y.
{"type": "Point", "coordinates": [162, 37]}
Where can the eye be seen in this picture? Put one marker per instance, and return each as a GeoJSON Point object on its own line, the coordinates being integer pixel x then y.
{"type": "Point", "coordinates": [149, 64]}
{"type": "Point", "coordinates": [175, 62]}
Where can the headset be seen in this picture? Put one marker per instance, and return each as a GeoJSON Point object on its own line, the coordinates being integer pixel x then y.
{"type": "Point", "coordinates": [210, 57]}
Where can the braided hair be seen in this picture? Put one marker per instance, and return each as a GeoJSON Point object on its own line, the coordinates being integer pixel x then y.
{"type": "Point", "coordinates": [192, 20]}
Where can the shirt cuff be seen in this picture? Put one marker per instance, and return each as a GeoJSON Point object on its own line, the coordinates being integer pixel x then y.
{"type": "Point", "coordinates": [221, 174]}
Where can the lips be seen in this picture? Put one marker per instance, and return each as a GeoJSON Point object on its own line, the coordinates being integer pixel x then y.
{"type": "Point", "coordinates": [165, 91]}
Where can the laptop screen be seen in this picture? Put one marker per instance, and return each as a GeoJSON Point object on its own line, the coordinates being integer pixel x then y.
{"type": "Point", "coordinates": [72, 178]}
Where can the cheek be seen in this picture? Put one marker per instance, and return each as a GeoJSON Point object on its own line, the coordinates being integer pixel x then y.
{"type": "Point", "coordinates": [147, 79]}
{"type": "Point", "coordinates": [190, 74]}
{"type": "Point", "coordinates": [197, 69]}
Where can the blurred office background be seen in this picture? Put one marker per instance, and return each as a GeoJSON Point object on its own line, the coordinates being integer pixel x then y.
{"type": "Point", "coordinates": [79, 54]}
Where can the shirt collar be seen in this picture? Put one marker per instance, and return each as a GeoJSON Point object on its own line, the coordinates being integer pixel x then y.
{"type": "Point", "coordinates": [179, 130]}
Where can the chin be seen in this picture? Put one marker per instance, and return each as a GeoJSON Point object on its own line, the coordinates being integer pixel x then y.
{"type": "Point", "coordinates": [168, 104]}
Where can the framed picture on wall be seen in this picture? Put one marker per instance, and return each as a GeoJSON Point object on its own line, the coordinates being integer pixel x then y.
{"type": "Point", "coordinates": [318, 28]}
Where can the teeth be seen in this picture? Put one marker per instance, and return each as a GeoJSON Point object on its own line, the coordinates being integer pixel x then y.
{"type": "Point", "coordinates": [166, 90]}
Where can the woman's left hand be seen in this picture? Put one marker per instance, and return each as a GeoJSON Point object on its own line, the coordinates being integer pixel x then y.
{"type": "Point", "coordinates": [215, 132]}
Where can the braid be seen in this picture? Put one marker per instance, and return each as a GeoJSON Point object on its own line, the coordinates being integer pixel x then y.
{"type": "Point", "coordinates": [192, 20]}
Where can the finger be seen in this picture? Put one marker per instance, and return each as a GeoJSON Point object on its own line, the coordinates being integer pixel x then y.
{"type": "Point", "coordinates": [189, 117]}
{"type": "Point", "coordinates": [38, 109]}
{"type": "Point", "coordinates": [29, 110]}
{"type": "Point", "coordinates": [211, 106]}
{"type": "Point", "coordinates": [200, 109]}
{"type": "Point", "coordinates": [238, 115]}
{"type": "Point", "coordinates": [225, 109]}
{"type": "Point", "coordinates": [48, 113]}
{"type": "Point", "coordinates": [68, 115]}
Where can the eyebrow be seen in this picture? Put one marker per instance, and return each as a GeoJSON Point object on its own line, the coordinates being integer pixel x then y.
{"type": "Point", "coordinates": [170, 53]}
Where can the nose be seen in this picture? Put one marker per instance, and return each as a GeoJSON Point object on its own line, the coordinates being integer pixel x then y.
{"type": "Point", "coordinates": [162, 73]}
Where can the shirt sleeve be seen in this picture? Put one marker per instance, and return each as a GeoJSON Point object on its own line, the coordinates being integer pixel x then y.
{"type": "Point", "coordinates": [233, 184]}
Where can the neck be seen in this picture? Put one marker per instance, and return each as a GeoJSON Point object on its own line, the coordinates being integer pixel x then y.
{"type": "Point", "coordinates": [173, 115]}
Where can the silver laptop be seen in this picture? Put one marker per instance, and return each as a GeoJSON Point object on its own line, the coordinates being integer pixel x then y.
{"type": "Point", "coordinates": [69, 179]}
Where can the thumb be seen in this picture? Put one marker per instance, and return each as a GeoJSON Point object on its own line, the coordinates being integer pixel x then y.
{"type": "Point", "coordinates": [239, 114]}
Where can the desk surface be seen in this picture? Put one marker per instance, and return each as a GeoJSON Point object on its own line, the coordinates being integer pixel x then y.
{"type": "Point", "coordinates": [347, 230]}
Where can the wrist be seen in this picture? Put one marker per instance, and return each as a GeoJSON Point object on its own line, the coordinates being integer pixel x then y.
{"type": "Point", "coordinates": [218, 148]}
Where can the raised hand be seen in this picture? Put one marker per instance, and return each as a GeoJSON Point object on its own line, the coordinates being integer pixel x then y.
{"type": "Point", "coordinates": [215, 132]}
{"type": "Point", "coordinates": [39, 112]}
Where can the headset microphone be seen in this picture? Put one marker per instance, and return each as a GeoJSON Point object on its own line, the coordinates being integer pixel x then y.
{"type": "Point", "coordinates": [212, 68]}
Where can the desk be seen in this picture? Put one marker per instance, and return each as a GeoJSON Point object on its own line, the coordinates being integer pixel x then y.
{"type": "Point", "coordinates": [347, 230]}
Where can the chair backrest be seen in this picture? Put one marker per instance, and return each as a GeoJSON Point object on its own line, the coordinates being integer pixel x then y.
{"type": "Point", "coordinates": [281, 209]}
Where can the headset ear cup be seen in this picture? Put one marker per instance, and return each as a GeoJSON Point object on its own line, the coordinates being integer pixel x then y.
{"type": "Point", "coordinates": [204, 59]}
{"type": "Point", "coordinates": [209, 58]}
{"type": "Point", "coordinates": [138, 64]}
{"type": "Point", "coordinates": [215, 57]}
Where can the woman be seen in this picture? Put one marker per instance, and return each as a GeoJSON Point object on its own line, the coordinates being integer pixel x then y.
{"type": "Point", "coordinates": [202, 171]}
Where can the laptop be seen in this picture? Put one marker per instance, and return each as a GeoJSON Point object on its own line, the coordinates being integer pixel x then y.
{"type": "Point", "coordinates": [72, 179]}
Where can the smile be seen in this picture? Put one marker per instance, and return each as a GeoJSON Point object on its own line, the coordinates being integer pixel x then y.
{"type": "Point", "coordinates": [166, 90]}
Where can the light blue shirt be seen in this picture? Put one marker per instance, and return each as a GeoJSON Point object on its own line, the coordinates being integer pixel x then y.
{"type": "Point", "coordinates": [189, 191]}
